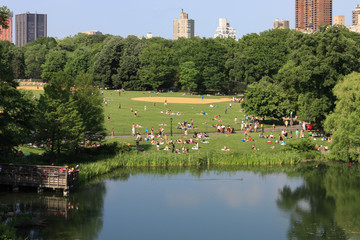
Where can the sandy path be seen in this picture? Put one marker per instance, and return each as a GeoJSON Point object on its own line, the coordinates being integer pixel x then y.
{"type": "Point", "coordinates": [30, 87]}
{"type": "Point", "coordinates": [182, 100]}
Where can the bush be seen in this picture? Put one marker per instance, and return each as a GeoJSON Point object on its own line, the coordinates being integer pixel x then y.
{"type": "Point", "coordinates": [304, 145]}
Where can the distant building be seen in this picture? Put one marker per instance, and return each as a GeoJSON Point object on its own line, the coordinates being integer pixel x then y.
{"type": "Point", "coordinates": [184, 27]}
{"type": "Point", "coordinates": [310, 14]}
{"type": "Point", "coordinates": [224, 30]}
{"type": "Point", "coordinates": [6, 34]}
{"type": "Point", "coordinates": [149, 35]}
{"type": "Point", "coordinates": [29, 27]}
{"type": "Point", "coordinates": [92, 32]}
{"type": "Point", "coordinates": [339, 20]}
{"type": "Point", "coordinates": [355, 15]}
{"type": "Point", "coordinates": [282, 24]}
{"type": "Point", "coordinates": [355, 28]}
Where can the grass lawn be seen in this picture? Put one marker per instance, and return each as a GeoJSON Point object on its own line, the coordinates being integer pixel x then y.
{"type": "Point", "coordinates": [218, 141]}
{"type": "Point", "coordinates": [122, 118]}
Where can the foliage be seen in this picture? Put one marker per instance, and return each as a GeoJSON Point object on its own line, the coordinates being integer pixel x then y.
{"type": "Point", "coordinates": [344, 121]}
{"type": "Point", "coordinates": [55, 61]}
{"type": "Point", "coordinates": [35, 56]}
{"type": "Point", "coordinates": [89, 104]}
{"type": "Point", "coordinates": [188, 75]}
{"type": "Point", "coordinates": [107, 61]}
{"type": "Point", "coordinates": [260, 56]}
{"type": "Point", "coordinates": [59, 123]}
{"type": "Point", "coordinates": [158, 67]}
{"type": "Point", "coordinates": [304, 145]}
{"type": "Point", "coordinates": [4, 14]}
{"type": "Point", "coordinates": [265, 99]}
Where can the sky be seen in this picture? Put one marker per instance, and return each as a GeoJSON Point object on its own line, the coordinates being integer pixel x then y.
{"type": "Point", "coordinates": [123, 18]}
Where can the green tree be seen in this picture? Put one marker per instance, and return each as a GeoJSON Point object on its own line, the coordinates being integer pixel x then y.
{"type": "Point", "coordinates": [16, 116]}
{"type": "Point", "coordinates": [107, 61]}
{"type": "Point", "coordinates": [6, 73]}
{"type": "Point", "coordinates": [89, 104]}
{"type": "Point", "coordinates": [35, 56]}
{"type": "Point", "coordinates": [55, 61]}
{"type": "Point", "coordinates": [78, 62]}
{"type": "Point", "coordinates": [344, 122]}
{"type": "Point", "coordinates": [158, 68]}
{"type": "Point", "coordinates": [59, 121]}
{"type": "Point", "coordinates": [259, 56]}
{"type": "Point", "coordinates": [4, 14]}
{"type": "Point", "coordinates": [188, 76]}
{"type": "Point", "coordinates": [129, 64]}
{"type": "Point", "coordinates": [266, 99]}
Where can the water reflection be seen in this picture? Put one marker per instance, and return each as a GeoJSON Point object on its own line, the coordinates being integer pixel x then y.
{"type": "Point", "coordinates": [52, 216]}
{"type": "Point", "coordinates": [325, 206]}
{"type": "Point", "coordinates": [302, 202]}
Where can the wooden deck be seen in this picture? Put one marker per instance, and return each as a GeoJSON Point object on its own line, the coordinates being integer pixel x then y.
{"type": "Point", "coordinates": [39, 176]}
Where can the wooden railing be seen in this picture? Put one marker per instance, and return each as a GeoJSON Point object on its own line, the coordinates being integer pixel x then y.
{"type": "Point", "coordinates": [53, 177]}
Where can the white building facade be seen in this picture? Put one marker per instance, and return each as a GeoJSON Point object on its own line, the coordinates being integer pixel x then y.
{"type": "Point", "coordinates": [224, 30]}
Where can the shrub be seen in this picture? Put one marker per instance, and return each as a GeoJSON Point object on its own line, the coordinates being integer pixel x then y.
{"type": "Point", "coordinates": [301, 146]}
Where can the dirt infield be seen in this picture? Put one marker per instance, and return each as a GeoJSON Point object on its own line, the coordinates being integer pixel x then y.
{"type": "Point", "coordinates": [31, 87]}
{"type": "Point", "coordinates": [182, 100]}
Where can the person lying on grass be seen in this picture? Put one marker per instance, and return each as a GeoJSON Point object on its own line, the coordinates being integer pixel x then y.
{"type": "Point", "coordinates": [225, 149]}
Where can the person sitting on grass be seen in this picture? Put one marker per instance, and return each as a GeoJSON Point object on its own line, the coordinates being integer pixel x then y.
{"type": "Point", "coordinates": [253, 147]}
{"type": "Point", "coordinates": [196, 147]}
{"type": "Point", "coordinates": [225, 149]}
{"type": "Point", "coordinates": [166, 148]}
{"type": "Point", "coordinates": [250, 139]}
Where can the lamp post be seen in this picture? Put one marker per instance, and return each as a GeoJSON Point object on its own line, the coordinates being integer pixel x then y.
{"type": "Point", "coordinates": [171, 126]}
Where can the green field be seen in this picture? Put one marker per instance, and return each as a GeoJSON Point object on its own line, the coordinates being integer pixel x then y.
{"type": "Point", "coordinates": [122, 118]}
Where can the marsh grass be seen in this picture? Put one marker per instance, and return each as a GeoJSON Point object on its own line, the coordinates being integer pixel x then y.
{"type": "Point", "coordinates": [140, 159]}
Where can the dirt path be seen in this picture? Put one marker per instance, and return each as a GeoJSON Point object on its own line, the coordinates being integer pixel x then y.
{"type": "Point", "coordinates": [184, 100]}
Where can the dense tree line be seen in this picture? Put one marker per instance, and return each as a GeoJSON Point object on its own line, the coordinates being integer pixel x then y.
{"type": "Point", "coordinates": [279, 71]}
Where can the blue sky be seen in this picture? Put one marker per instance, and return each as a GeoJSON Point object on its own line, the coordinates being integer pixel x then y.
{"type": "Point", "coordinates": [69, 17]}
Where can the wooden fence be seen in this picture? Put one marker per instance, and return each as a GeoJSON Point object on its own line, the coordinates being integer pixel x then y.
{"type": "Point", "coordinates": [39, 176]}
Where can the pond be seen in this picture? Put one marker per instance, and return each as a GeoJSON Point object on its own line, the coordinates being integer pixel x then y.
{"type": "Point", "coordinates": [195, 203]}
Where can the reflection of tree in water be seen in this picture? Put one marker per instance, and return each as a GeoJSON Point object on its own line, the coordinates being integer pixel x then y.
{"type": "Point", "coordinates": [85, 218]}
{"type": "Point", "coordinates": [312, 210]}
{"type": "Point", "coordinates": [78, 216]}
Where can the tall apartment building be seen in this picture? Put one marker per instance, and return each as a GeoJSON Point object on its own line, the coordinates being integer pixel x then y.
{"type": "Point", "coordinates": [6, 34]}
{"type": "Point", "coordinates": [29, 27]}
{"type": "Point", "coordinates": [184, 27]}
{"type": "Point", "coordinates": [356, 15]}
{"type": "Point", "coordinates": [310, 14]}
{"type": "Point", "coordinates": [224, 30]}
{"type": "Point", "coordinates": [339, 20]}
{"type": "Point", "coordinates": [281, 24]}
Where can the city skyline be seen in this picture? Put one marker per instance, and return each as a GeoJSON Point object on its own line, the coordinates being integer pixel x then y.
{"type": "Point", "coordinates": [130, 18]}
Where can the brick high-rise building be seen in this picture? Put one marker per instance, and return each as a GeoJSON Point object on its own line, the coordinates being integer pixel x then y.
{"type": "Point", "coordinates": [310, 14]}
{"type": "Point", "coordinates": [184, 27]}
{"type": "Point", "coordinates": [29, 27]}
{"type": "Point", "coordinates": [6, 34]}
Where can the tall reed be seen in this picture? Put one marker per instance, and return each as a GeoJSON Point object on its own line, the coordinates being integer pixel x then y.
{"type": "Point", "coordinates": [140, 159]}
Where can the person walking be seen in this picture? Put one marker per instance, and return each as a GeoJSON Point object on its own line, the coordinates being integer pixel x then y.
{"type": "Point", "coordinates": [133, 129]}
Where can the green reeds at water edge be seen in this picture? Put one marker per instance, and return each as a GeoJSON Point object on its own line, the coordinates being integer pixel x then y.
{"type": "Point", "coordinates": [141, 159]}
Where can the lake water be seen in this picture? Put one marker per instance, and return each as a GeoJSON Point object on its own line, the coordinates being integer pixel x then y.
{"type": "Point", "coordinates": [194, 203]}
